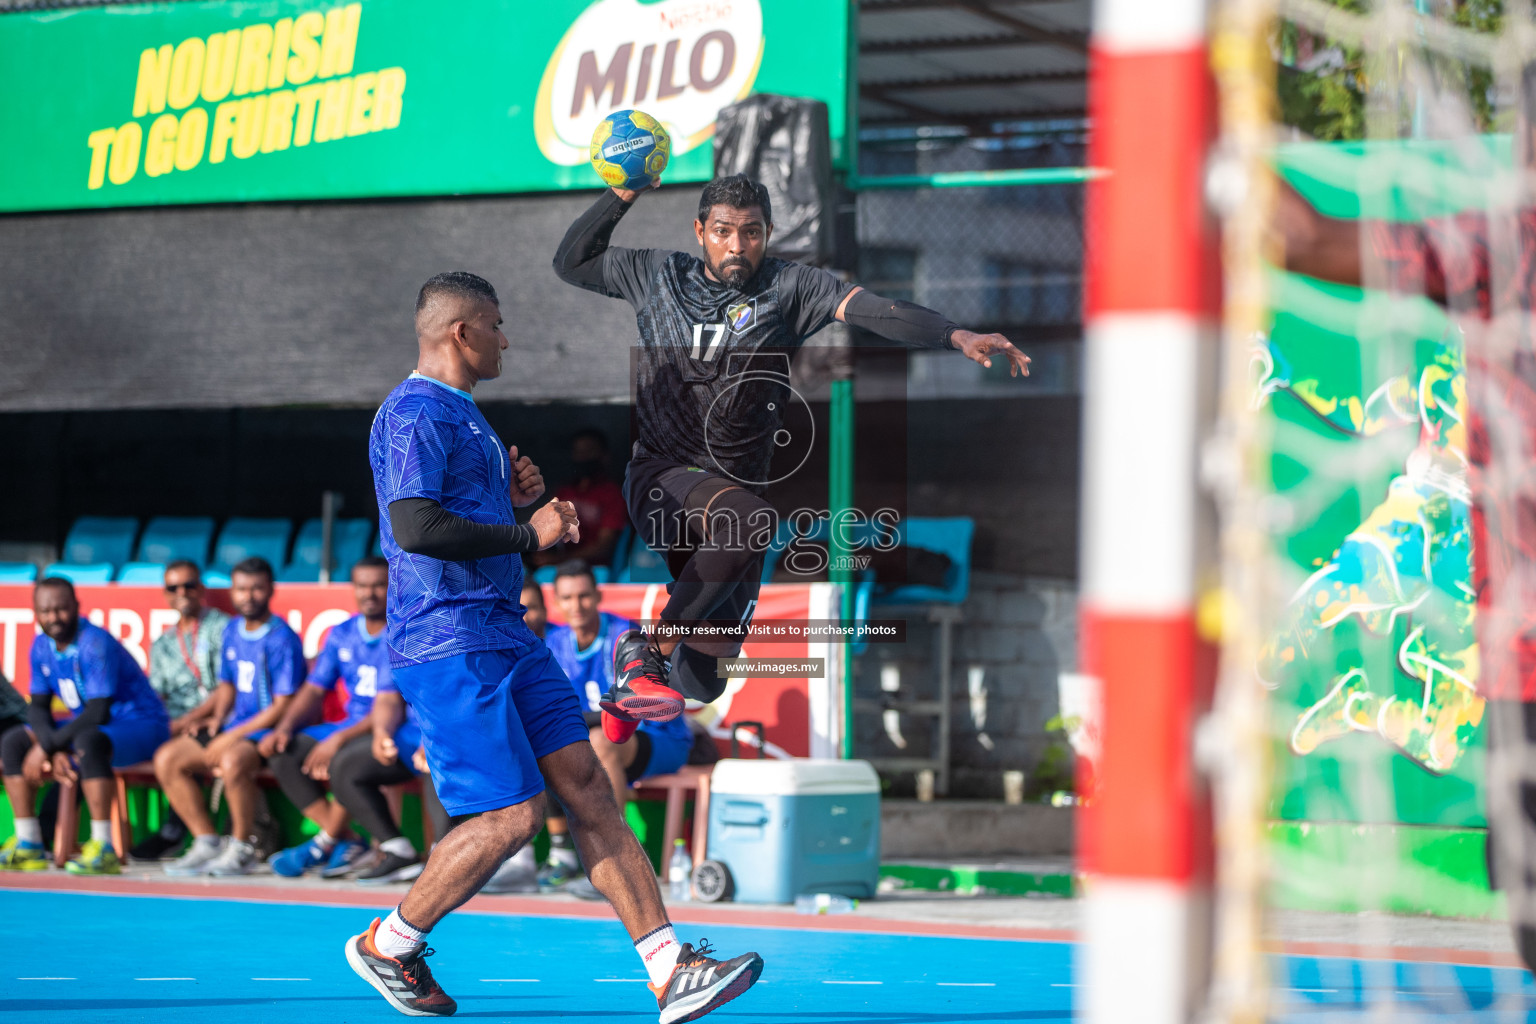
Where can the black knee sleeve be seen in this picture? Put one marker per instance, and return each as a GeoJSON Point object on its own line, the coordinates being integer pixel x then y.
{"type": "Point", "coordinates": [14, 744]}
{"type": "Point", "coordinates": [300, 789]}
{"type": "Point", "coordinates": [94, 748]}
{"type": "Point", "coordinates": [695, 674]}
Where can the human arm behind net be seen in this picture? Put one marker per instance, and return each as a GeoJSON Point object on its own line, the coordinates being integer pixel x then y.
{"type": "Point", "coordinates": [586, 259]}
{"type": "Point", "coordinates": [423, 527]}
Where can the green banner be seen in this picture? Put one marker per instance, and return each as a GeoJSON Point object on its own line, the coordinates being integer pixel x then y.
{"type": "Point", "coordinates": [151, 104]}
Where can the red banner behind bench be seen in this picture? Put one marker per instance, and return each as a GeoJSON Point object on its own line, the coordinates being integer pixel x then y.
{"type": "Point", "coordinates": [795, 713]}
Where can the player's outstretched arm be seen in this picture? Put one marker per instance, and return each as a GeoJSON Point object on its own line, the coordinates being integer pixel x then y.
{"type": "Point", "coordinates": [920, 327]}
{"type": "Point", "coordinates": [423, 527]}
{"type": "Point", "coordinates": [586, 259]}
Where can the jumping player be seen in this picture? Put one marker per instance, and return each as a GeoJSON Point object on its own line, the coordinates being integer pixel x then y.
{"type": "Point", "coordinates": [498, 717]}
{"type": "Point", "coordinates": [706, 438]}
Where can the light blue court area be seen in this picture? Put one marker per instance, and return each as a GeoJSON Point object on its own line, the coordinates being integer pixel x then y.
{"type": "Point", "coordinates": [102, 958]}
{"type": "Point", "coordinates": [180, 960]}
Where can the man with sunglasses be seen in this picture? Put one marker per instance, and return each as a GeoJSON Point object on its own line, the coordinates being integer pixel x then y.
{"type": "Point", "coordinates": [184, 671]}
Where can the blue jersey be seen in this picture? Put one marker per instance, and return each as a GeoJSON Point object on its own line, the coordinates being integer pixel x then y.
{"type": "Point", "coordinates": [430, 441]}
{"type": "Point", "coordinates": [590, 669]}
{"type": "Point", "coordinates": [356, 659]}
{"type": "Point", "coordinates": [95, 665]}
{"type": "Point", "coordinates": [263, 665]}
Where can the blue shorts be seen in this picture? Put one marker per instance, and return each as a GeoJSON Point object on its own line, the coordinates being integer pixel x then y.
{"type": "Point", "coordinates": [486, 718]}
{"type": "Point", "coordinates": [668, 752]}
{"type": "Point", "coordinates": [136, 739]}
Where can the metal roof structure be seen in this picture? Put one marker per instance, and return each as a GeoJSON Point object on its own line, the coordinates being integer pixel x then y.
{"type": "Point", "coordinates": [977, 64]}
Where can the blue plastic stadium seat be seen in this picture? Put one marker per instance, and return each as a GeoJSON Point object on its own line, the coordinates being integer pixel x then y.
{"type": "Point", "coordinates": [349, 541]}
{"type": "Point", "coordinates": [294, 572]}
{"type": "Point", "coordinates": [172, 538]}
{"type": "Point", "coordinates": [601, 574]}
{"type": "Point", "coordinates": [95, 539]}
{"type": "Point", "coordinates": [17, 572]}
{"type": "Point", "coordinates": [643, 565]}
{"type": "Point", "coordinates": [215, 579]}
{"type": "Point", "coordinates": [142, 574]}
{"type": "Point", "coordinates": [101, 572]}
{"type": "Point", "coordinates": [244, 538]}
{"type": "Point", "coordinates": [544, 574]}
{"type": "Point", "coordinates": [950, 536]}
{"type": "Point", "coordinates": [378, 544]}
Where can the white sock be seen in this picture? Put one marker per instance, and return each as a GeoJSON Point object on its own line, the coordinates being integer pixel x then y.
{"type": "Point", "coordinates": [399, 846]}
{"type": "Point", "coordinates": [209, 843]}
{"type": "Point", "coordinates": [394, 938]}
{"type": "Point", "coordinates": [325, 841]}
{"type": "Point", "coordinates": [101, 831]}
{"type": "Point", "coordinates": [658, 951]}
{"type": "Point", "coordinates": [29, 831]}
{"type": "Point", "coordinates": [563, 854]}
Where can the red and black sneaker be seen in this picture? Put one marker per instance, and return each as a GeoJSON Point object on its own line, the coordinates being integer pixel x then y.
{"type": "Point", "coordinates": [639, 691]}
{"type": "Point", "coordinates": [699, 983]}
{"type": "Point", "coordinates": [407, 982]}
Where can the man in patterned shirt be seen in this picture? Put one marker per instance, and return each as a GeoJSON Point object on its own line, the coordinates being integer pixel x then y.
{"type": "Point", "coordinates": [184, 670]}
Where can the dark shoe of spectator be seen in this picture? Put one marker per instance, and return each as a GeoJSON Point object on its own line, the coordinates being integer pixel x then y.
{"type": "Point", "coordinates": [391, 868]}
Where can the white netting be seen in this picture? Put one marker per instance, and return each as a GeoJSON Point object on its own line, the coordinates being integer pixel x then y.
{"type": "Point", "coordinates": [1373, 409]}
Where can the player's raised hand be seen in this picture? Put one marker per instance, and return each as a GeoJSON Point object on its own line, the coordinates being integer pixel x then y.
{"type": "Point", "coordinates": [979, 347]}
{"type": "Point", "coordinates": [555, 522]}
{"type": "Point", "coordinates": [630, 195]}
{"type": "Point", "coordinates": [527, 481]}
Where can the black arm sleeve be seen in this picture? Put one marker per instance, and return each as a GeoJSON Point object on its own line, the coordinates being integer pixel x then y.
{"type": "Point", "coordinates": [40, 718]}
{"type": "Point", "coordinates": [97, 712]}
{"type": "Point", "coordinates": [423, 527]}
{"type": "Point", "coordinates": [578, 260]}
{"type": "Point", "coordinates": [913, 325]}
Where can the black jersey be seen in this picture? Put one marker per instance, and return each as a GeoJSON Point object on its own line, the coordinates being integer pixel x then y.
{"type": "Point", "coordinates": [714, 360]}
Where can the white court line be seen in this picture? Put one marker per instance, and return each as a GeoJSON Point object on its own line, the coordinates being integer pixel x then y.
{"type": "Point", "coordinates": [1062, 984]}
{"type": "Point", "coordinates": [47, 979]}
{"type": "Point", "coordinates": [1314, 991]}
{"type": "Point", "coordinates": [853, 983]}
{"type": "Point", "coordinates": [279, 979]}
{"type": "Point", "coordinates": [164, 979]}
{"type": "Point", "coordinates": [512, 981]}
{"type": "Point", "coordinates": [967, 984]}
{"type": "Point", "coordinates": [621, 979]}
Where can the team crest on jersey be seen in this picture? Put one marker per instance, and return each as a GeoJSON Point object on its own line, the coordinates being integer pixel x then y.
{"type": "Point", "coordinates": [740, 316]}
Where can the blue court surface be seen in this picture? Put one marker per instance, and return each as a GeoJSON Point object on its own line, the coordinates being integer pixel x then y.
{"type": "Point", "coordinates": [104, 958]}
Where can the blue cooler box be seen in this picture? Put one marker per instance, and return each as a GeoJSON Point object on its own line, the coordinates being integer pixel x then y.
{"type": "Point", "coordinates": [801, 826]}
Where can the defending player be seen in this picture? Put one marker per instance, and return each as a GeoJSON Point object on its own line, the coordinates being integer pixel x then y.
{"type": "Point", "coordinates": [496, 712]}
{"type": "Point", "coordinates": [706, 438]}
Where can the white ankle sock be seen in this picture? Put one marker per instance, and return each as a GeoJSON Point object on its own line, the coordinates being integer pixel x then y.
{"type": "Point", "coordinates": [101, 831]}
{"type": "Point", "coordinates": [658, 951]}
{"type": "Point", "coordinates": [394, 938]}
{"type": "Point", "coordinates": [205, 842]}
{"type": "Point", "coordinates": [399, 846]}
{"type": "Point", "coordinates": [325, 841]}
{"type": "Point", "coordinates": [29, 831]}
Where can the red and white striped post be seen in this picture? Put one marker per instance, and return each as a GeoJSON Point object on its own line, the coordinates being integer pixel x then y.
{"type": "Point", "coordinates": [1152, 308]}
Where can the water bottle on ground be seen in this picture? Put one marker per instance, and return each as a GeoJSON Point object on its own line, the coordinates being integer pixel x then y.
{"type": "Point", "coordinates": [824, 903]}
{"type": "Point", "coordinates": [679, 871]}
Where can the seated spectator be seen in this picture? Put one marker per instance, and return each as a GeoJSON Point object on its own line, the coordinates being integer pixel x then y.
{"type": "Point", "coordinates": [301, 754]}
{"type": "Point", "coordinates": [599, 504]}
{"type": "Point", "coordinates": [261, 666]}
{"type": "Point", "coordinates": [183, 670]}
{"type": "Point", "coordinates": [584, 649]}
{"type": "Point", "coordinates": [114, 719]}
{"type": "Point", "coordinates": [520, 872]}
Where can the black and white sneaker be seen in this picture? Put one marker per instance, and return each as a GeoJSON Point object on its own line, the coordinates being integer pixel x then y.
{"type": "Point", "coordinates": [700, 983]}
{"type": "Point", "coordinates": [391, 867]}
{"type": "Point", "coordinates": [407, 982]}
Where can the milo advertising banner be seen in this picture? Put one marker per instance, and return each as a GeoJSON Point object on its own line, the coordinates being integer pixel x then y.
{"type": "Point", "coordinates": [162, 103]}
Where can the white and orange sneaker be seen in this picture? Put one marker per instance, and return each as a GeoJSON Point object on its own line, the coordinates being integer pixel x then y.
{"type": "Point", "coordinates": [700, 983]}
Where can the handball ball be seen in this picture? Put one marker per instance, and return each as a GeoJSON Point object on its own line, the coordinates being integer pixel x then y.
{"type": "Point", "coordinates": [630, 149]}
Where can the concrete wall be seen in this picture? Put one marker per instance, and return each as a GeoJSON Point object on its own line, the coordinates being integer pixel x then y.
{"type": "Point", "coordinates": [1017, 635]}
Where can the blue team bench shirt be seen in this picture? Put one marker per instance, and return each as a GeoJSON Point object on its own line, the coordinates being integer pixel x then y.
{"type": "Point", "coordinates": [263, 664]}
{"type": "Point", "coordinates": [590, 669]}
{"type": "Point", "coordinates": [95, 665]}
{"type": "Point", "coordinates": [430, 440]}
{"type": "Point", "coordinates": [359, 661]}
